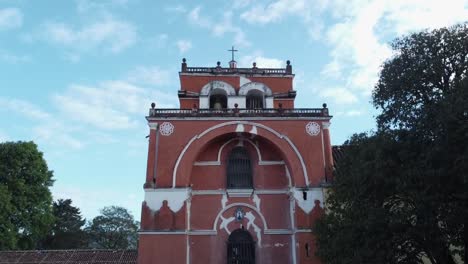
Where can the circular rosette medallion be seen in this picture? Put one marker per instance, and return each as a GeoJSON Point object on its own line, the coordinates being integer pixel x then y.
{"type": "Point", "coordinates": [312, 128]}
{"type": "Point", "coordinates": [166, 129]}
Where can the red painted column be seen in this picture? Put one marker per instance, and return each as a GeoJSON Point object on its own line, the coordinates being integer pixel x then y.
{"type": "Point", "coordinates": [328, 151]}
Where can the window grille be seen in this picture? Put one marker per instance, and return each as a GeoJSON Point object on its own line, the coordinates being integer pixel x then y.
{"type": "Point", "coordinates": [241, 248]}
{"type": "Point", "coordinates": [254, 101]}
{"type": "Point", "coordinates": [239, 169]}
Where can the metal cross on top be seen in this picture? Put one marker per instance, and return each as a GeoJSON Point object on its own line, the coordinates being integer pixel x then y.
{"type": "Point", "coordinates": [232, 50]}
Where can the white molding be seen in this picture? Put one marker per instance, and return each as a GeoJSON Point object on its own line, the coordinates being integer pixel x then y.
{"type": "Point", "coordinates": [208, 192]}
{"type": "Point", "coordinates": [312, 195]}
{"type": "Point", "coordinates": [206, 163]}
{"type": "Point", "coordinates": [153, 126]}
{"type": "Point", "coordinates": [267, 128]}
{"type": "Point", "coordinates": [246, 88]}
{"type": "Point", "coordinates": [239, 192]}
{"type": "Point", "coordinates": [326, 125]}
{"type": "Point", "coordinates": [271, 162]}
{"type": "Point", "coordinates": [213, 85]}
{"type": "Point", "coordinates": [202, 232]}
{"type": "Point", "coordinates": [272, 191]}
{"type": "Point", "coordinates": [278, 232]}
{"type": "Point", "coordinates": [215, 224]}
{"type": "Point", "coordinates": [303, 230]}
{"type": "Point", "coordinates": [175, 198]}
{"type": "Point", "coordinates": [162, 232]}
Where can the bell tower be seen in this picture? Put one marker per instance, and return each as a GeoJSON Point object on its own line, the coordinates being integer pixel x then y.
{"type": "Point", "coordinates": [237, 174]}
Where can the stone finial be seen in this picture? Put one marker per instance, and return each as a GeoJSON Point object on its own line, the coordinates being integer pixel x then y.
{"type": "Point", "coordinates": [324, 105]}
{"type": "Point", "coordinates": [184, 65]}
{"type": "Point", "coordinates": [236, 105]}
{"type": "Point", "coordinates": [254, 65]}
{"type": "Point", "coordinates": [153, 105]}
{"type": "Point", "coordinates": [288, 67]}
{"type": "Point", "coordinates": [218, 64]}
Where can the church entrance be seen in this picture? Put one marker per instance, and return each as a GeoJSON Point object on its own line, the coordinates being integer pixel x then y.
{"type": "Point", "coordinates": [240, 248]}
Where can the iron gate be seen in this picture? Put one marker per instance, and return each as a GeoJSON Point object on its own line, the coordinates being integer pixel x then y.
{"type": "Point", "coordinates": [240, 248]}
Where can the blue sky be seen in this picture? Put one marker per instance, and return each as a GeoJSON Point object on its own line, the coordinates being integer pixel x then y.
{"type": "Point", "coordinates": [77, 77]}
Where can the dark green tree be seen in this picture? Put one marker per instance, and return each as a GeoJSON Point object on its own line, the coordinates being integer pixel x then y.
{"type": "Point", "coordinates": [25, 208]}
{"type": "Point", "coordinates": [400, 194]}
{"type": "Point", "coordinates": [115, 228]}
{"type": "Point", "coordinates": [66, 232]}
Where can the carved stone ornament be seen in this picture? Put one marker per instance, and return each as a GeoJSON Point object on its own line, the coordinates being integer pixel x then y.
{"type": "Point", "coordinates": [313, 128]}
{"type": "Point", "coordinates": [166, 129]}
{"type": "Point", "coordinates": [239, 214]}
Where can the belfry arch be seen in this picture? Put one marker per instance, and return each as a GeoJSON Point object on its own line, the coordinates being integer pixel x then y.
{"type": "Point", "coordinates": [289, 153]}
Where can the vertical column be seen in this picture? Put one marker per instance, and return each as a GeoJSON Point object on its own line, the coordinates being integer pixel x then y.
{"type": "Point", "coordinates": [151, 163]}
{"type": "Point", "coordinates": [328, 152]}
{"type": "Point", "coordinates": [292, 212]}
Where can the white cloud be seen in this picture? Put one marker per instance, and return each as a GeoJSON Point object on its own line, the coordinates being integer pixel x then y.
{"type": "Point", "coordinates": [219, 28]}
{"type": "Point", "coordinates": [110, 35]}
{"type": "Point", "coordinates": [10, 18]}
{"type": "Point", "coordinates": [175, 9]}
{"type": "Point", "coordinates": [276, 11]}
{"type": "Point", "coordinates": [184, 45]}
{"type": "Point", "coordinates": [25, 108]}
{"type": "Point", "coordinates": [84, 6]}
{"type": "Point", "coordinates": [45, 127]}
{"type": "Point", "coordinates": [262, 62]}
{"type": "Point", "coordinates": [195, 18]}
{"type": "Point", "coordinates": [339, 95]}
{"type": "Point", "coordinates": [4, 137]}
{"type": "Point", "coordinates": [111, 105]}
{"type": "Point", "coordinates": [359, 37]}
{"type": "Point", "coordinates": [152, 75]}
{"type": "Point", "coordinates": [12, 58]}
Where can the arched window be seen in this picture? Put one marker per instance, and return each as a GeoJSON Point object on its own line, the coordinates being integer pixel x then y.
{"type": "Point", "coordinates": [241, 247]}
{"type": "Point", "coordinates": [218, 99]}
{"type": "Point", "coordinates": [254, 99]}
{"type": "Point", "coordinates": [239, 169]}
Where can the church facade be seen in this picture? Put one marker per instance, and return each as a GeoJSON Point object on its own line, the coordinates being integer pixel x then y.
{"type": "Point", "coordinates": [237, 174]}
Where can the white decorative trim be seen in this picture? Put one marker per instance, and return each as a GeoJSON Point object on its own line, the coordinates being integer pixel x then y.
{"type": "Point", "coordinates": [269, 129]}
{"type": "Point", "coordinates": [312, 128]}
{"type": "Point", "coordinates": [271, 162]}
{"type": "Point", "coordinates": [162, 232]}
{"type": "Point", "coordinates": [175, 198]}
{"type": "Point", "coordinates": [303, 230]}
{"type": "Point", "coordinates": [265, 227]}
{"type": "Point", "coordinates": [201, 232]}
{"type": "Point", "coordinates": [206, 163]}
{"type": "Point", "coordinates": [230, 75]}
{"type": "Point", "coordinates": [213, 85]}
{"type": "Point", "coordinates": [280, 191]}
{"type": "Point", "coordinates": [278, 232]}
{"type": "Point", "coordinates": [152, 125]}
{"type": "Point", "coordinates": [326, 125]}
{"type": "Point", "coordinates": [246, 88]}
{"type": "Point", "coordinates": [166, 129]}
{"type": "Point", "coordinates": [239, 192]}
{"type": "Point", "coordinates": [208, 192]}
{"type": "Point", "coordinates": [312, 195]}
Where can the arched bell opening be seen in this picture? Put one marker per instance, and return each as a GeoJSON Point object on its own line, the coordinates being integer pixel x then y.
{"type": "Point", "coordinates": [218, 99]}
{"type": "Point", "coordinates": [240, 247]}
{"type": "Point", "coordinates": [255, 99]}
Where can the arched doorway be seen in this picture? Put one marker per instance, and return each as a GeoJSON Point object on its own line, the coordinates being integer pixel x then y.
{"type": "Point", "coordinates": [240, 248]}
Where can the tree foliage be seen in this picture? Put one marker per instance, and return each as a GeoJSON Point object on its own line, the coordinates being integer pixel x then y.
{"type": "Point", "coordinates": [25, 208]}
{"type": "Point", "coordinates": [400, 194]}
{"type": "Point", "coordinates": [66, 231]}
{"type": "Point", "coordinates": [115, 228]}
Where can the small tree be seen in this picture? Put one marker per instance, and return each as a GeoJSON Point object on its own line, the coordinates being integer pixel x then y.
{"type": "Point", "coordinates": [67, 230]}
{"type": "Point", "coordinates": [115, 228]}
